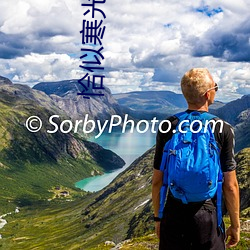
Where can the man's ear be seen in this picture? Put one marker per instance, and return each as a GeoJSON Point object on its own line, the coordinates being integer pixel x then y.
{"type": "Point", "coordinates": [207, 95]}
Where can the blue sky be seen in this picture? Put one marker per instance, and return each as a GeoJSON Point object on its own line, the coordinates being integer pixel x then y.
{"type": "Point", "coordinates": [148, 44]}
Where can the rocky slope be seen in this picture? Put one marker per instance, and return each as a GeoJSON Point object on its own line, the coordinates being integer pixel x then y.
{"type": "Point", "coordinates": [237, 114]}
{"type": "Point", "coordinates": [242, 130]}
{"type": "Point", "coordinates": [232, 110]}
{"type": "Point", "coordinates": [127, 199]}
{"type": "Point", "coordinates": [64, 94]}
{"type": "Point", "coordinates": [4, 80]}
{"type": "Point", "coordinates": [31, 163]}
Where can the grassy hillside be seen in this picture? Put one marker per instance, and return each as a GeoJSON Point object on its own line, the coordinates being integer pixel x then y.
{"type": "Point", "coordinates": [86, 222]}
{"type": "Point", "coordinates": [32, 163]}
{"type": "Point", "coordinates": [150, 242]}
{"type": "Point", "coordinates": [54, 225]}
{"type": "Point", "coordinates": [120, 212]}
{"type": "Point", "coordinates": [243, 175]}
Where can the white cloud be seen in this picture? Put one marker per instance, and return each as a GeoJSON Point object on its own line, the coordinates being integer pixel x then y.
{"type": "Point", "coordinates": [147, 44]}
{"type": "Point", "coordinates": [35, 68]}
{"type": "Point", "coordinates": [131, 81]}
{"type": "Point", "coordinates": [31, 16]}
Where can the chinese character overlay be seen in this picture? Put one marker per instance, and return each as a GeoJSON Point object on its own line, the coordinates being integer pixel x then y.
{"type": "Point", "coordinates": [92, 34]}
{"type": "Point", "coordinates": [93, 8]}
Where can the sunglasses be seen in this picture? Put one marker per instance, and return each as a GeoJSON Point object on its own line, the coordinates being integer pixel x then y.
{"type": "Point", "coordinates": [216, 87]}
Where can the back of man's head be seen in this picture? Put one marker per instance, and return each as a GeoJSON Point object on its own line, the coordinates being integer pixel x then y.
{"type": "Point", "coordinates": [195, 83]}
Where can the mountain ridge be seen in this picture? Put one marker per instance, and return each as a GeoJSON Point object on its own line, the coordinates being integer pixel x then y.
{"type": "Point", "coordinates": [58, 159]}
{"type": "Point", "coordinates": [230, 111]}
{"type": "Point", "coordinates": [237, 114]}
{"type": "Point", "coordinates": [64, 94]}
{"type": "Point", "coordinates": [4, 80]}
{"type": "Point", "coordinates": [149, 104]}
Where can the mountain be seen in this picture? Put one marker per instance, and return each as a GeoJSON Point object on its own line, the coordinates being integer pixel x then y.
{"type": "Point", "coordinates": [122, 210]}
{"type": "Point", "coordinates": [4, 80]}
{"type": "Point", "coordinates": [64, 94]}
{"type": "Point", "coordinates": [242, 130]}
{"type": "Point", "coordinates": [216, 105]}
{"type": "Point", "coordinates": [237, 114]}
{"type": "Point", "coordinates": [142, 100]}
{"type": "Point", "coordinates": [232, 110]}
{"type": "Point", "coordinates": [138, 105]}
{"type": "Point", "coordinates": [149, 104]}
{"type": "Point", "coordinates": [32, 163]}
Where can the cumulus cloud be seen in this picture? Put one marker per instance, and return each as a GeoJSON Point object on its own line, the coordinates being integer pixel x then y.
{"type": "Point", "coordinates": [32, 26]}
{"type": "Point", "coordinates": [230, 45]}
{"type": "Point", "coordinates": [34, 68]}
{"type": "Point", "coordinates": [147, 44]}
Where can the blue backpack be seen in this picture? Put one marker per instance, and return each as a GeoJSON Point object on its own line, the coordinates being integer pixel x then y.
{"type": "Point", "coordinates": [191, 162]}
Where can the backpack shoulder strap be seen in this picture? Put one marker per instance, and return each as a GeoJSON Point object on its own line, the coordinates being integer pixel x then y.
{"type": "Point", "coordinates": [182, 115]}
{"type": "Point", "coordinates": [208, 116]}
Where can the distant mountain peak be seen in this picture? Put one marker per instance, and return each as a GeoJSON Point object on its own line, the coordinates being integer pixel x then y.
{"type": "Point", "coordinates": [64, 94]}
{"type": "Point", "coordinates": [65, 87]}
{"type": "Point", "coordinates": [4, 80]}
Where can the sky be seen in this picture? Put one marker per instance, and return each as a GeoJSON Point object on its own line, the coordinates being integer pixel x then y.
{"type": "Point", "coordinates": [147, 44]}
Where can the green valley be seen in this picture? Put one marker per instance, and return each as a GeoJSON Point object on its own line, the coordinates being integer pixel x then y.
{"type": "Point", "coordinates": [32, 163]}
{"type": "Point", "coordinates": [120, 213]}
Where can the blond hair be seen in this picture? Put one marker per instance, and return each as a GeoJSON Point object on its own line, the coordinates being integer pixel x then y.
{"type": "Point", "coordinates": [195, 83]}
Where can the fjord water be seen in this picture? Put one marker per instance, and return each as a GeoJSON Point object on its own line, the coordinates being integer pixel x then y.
{"type": "Point", "coordinates": [128, 146]}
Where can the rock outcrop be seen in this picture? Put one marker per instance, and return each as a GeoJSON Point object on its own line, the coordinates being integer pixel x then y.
{"type": "Point", "coordinates": [4, 80]}
{"type": "Point", "coordinates": [64, 94]}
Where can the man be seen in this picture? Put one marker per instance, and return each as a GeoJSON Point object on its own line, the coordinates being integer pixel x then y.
{"type": "Point", "coordinates": [194, 225]}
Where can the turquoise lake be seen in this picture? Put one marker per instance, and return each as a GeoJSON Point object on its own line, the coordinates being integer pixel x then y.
{"type": "Point", "coordinates": [129, 146]}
